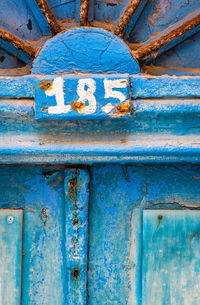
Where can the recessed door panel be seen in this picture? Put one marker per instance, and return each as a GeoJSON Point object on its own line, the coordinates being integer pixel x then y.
{"type": "Point", "coordinates": [10, 256]}
{"type": "Point", "coordinates": [171, 257]}
{"type": "Point", "coordinates": [54, 244]}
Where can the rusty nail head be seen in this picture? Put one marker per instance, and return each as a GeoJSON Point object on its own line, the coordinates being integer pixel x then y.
{"type": "Point", "coordinates": [75, 272]}
{"type": "Point", "coordinates": [10, 219]}
{"type": "Point", "coordinates": [75, 221]}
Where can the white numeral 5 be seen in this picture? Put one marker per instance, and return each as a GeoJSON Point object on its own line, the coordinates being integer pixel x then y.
{"type": "Point", "coordinates": [109, 84]}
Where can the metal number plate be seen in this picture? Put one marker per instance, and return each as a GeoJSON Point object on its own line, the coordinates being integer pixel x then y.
{"type": "Point", "coordinates": [85, 97]}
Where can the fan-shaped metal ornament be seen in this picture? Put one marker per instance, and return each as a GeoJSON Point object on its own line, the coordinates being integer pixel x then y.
{"type": "Point", "coordinates": [89, 50]}
{"type": "Point", "coordinates": [98, 60]}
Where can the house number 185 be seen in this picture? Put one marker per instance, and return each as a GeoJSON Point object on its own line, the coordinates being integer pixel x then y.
{"type": "Point", "coordinates": [87, 100]}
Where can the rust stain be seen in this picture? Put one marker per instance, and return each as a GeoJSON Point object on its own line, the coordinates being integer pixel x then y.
{"type": "Point", "coordinates": [84, 9]}
{"type": "Point", "coordinates": [160, 218]}
{"type": "Point", "coordinates": [124, 141]}
{"type": "Point", "coordinates": [72, 192]}
{"type": "Point", "coordinates": [104, 25]}
{"type": "Point", "coordinates": [75, 277]}
{"type": "Point", "coordinates": [44, 216]}
{"type": "Point", "coordinates": [77, 106]}
{"type": "Point", "coordinates": [151, 18]}
{"type": "Point", "coordinates": [160, 11]}
{"type": "Point", "coordinates": [122, 109]}
{"type": "Point", "coordinates": [49, 173]}
{"type": "Point", "coordinates": [153, 47]}
{"type": "Point", "coordinates": [124, 20]}
{"type": "Point", "coordinates": [45, 85]}
{"type": "Point", "coordinates": [46, 11]}
{"type": "Point", "coordinates": [75, 273]}
{"type": "Point", "coordinates": [154, 70]}
{"type": "Point", "coordinates": [18, 43]}
{"type": "Point", "coordinates": [112, 2]}
{"type": "Point", "coordinates": [53, 176]}
{"type": "Point", "coordinates": [75, 221]}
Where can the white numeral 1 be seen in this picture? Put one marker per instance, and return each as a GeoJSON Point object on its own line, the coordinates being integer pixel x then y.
{"type": "Point", "coordinates": [87, 95]}
{"type": "Point", "coordinates": [57, 90]}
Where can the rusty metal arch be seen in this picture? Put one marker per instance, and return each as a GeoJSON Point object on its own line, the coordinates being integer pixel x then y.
{"type": "Point", "coordinates": [144, 52]}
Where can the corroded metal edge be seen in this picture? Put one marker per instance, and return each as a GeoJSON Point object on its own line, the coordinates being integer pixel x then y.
{"type": "Point", "coordinates": [76, 185]}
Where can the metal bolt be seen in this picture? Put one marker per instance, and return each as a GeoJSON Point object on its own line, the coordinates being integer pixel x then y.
{"type": "Point", "coordinates": [10, 219]}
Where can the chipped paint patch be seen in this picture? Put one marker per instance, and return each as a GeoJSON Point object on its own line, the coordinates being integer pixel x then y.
{"type": "Point", "coordinates": [160, 8]}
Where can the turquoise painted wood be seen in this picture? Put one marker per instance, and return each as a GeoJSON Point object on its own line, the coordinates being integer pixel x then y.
{"type": "Point", "coordinates": [170, 256]}
{"type": "Point", "coordinates": [17, 87]}
{"type": "Point", "coordinates": [142, 86]}
{"type": "Point", "coordinates": [76, 186]}
{"type": "Point", "coordinates": [110, 207]}
{"type": "Point", "coordinates": [41, 197]}
{"type": "Point", "coordinates": [49, 274]}
{"type": "Point", "coordinates": [117, 252]}
{"type": "Point", "coordinates": [11, 224]}
{"type": "Point", "coordinates": [117, 197]}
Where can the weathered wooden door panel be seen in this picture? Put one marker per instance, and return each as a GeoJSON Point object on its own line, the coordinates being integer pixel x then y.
{"type": "Point", "coordinates": [118, 196]}
{"type": "Point", "coordinates": [54, 203]}
{"type": "Point", "coordinates": [43, 193]}
{"type": "Point", "coordinates": [43, 273]}
{"type": "Point", "coordinates": [115, 193]}
{"type": "Point", "coordinates": [171, 257]}
{"type": "Point", "coordinates": [10, 256]}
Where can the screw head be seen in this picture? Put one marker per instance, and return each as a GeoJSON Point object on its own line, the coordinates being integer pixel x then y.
{"type": "Point", "coordinates": [10, 219]}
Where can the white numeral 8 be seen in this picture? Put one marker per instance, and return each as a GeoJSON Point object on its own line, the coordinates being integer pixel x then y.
{"type": "Point", "coordinates": [87, 95]}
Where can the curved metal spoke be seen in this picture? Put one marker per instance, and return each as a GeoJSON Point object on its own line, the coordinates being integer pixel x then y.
{"type": "Point", "coordinates": [170, 37]}
{"type": "Point", "coordinates": [124, 20]}
{"type": "Point", "coordinates": [84, 9]}
{"type": "Point", "coordinates": [52, 21]}
{"type": "Point", "coordinates": [18, 43]}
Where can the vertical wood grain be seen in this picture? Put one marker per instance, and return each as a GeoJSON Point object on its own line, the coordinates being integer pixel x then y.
{"type": "Point", "coordinates": [76, 223]}
{"type": "Point", "coordinates": [171, 257]}
{"type": "Point", "coordinates": [11, 222]}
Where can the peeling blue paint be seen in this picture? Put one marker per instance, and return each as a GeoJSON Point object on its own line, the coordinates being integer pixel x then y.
{"type": "Point", "coordinates": [104, 52]}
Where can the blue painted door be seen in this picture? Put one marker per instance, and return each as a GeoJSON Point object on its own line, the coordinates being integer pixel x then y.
{"type": "Point", "coordinates": [65, 61]}
{"type": "Point", "coordinates": [143, 235]}
{"type": "Point", "coordinates": [171, 250]}
{"type": "Point", "coordinates": [144, 226]}
{"type": "Point", "coordinates": [43, 235]}
{"type": "Point", "coordinates": [11, 223]}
